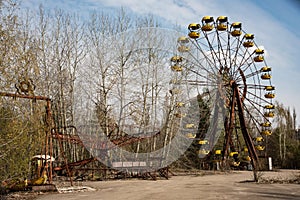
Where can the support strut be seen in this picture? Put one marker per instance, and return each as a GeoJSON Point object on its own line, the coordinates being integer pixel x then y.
{"type": "Point", "coordinates": [247, 137]}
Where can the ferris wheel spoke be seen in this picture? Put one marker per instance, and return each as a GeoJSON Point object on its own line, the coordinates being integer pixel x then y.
{"type": "Point", "coordinates": [245, 57]}
{"type": "Point", "coordinates": [246, 62]}
{"type": "Point", "coordinates": [200, 83]}
{"type": "Point", "coordinates": [251, 74]}
{"type": "Point", "coordinates": [209, 77]}
{"type": "Point", "coordinates": [235, 56]}
{"type": "Point", "coordinates": [256, 106]}
{"type": "Point", "coordinates": [255, 86]}
{"type": "Point", "coordinates": [240, 68]}
{"type": "Point", "coordinates": [258, 124]}
{"type": "Point", "coordinates": [223, 55]}
{"type": "Point", "coordinates": [263, 100]}
{"type": "Point", "coordinates": [248, 72]}
{"type": "Point", "coordinates": [199, 71]}
{"type": "Point", "coordinates": [212, 64]}
{"type": "Point", "coordinates": [211, 50]}
{"type": "Point", "coordinates": [216, 58]}
{"type": "Point", "coordinates": [254, 120]}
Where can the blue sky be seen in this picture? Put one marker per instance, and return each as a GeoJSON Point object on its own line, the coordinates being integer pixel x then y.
{"type": "Point", "coordinates": [275, 24]}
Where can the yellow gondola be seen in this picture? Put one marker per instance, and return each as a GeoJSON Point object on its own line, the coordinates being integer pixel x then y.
{"type": "Point", "coordinates": [259, 51]}
{"type": "Point", "coordinates": [269, 106]}
{"type": "Point", "coordinates": [248, 44]}
{"type": "Point", "coordinates": [249, 36]}
{"type": "Point", "coordinates": [236, 29]}
{"type": "Point", "coordinates": [260, 148]}
{"type": "Point", "coordinates": [259, 139]}
{"type": "Point", "coordinates": [222, 19]}
{"type": "Point", "coordinates": [265, 76]}
{"type": "Point", "coordinates": [207, 27]}
{"type": "Point", "coordinates": [249, 40]}
{"type": "Point", "coordinates": [179, 104]}
{"type": "Point", "coordinates": [183, 48]}
{"type": "Point", "coordinates": [207, 23]}
{"type": "Point", "coordinates": [247, 158]}
{"type": "Point", "coordinates": [222, 23]}
{"type": "Point", "coordinates": [236, 25]}
{"type": "Point", "coordinates": [270, 95]}
{"type": "Point", "coordinates": [236, 33]}
{"type": "Point", "coordinates": [190, 126]}
{"type": "Point", "coordinates": [207, 19]}
{"type": "Point", "coordinates": [266, 124]}
{"type": "Point", "coordinates": [194, 26]}
{"type": "Point", "coordinates": [231, 154]}
{"type": "Point", "coordinates": [269, 88]}
{"type": "Point", "coordinates": [218, 152]}
{"type": "Point", "coordinates": [176, 59]}
{"type": "Point", "coordinates": [258, 58]}
{"type": "Point", "coordinates": [183, 40]}
{"type": "Point", "coordinates": [267, 132]}
{"type": "Point", "coordinates": [266, 69]}
{"type": "Point", "coordinates": [194, 35]}
{"type": "Point", "coordinates": [203, 152]}
{"type": "Point", "coordinates": [222, 27]}
{"type": "Point", "coordinates": [236, 164]}
{"type": "Point", "coordinates": [269, 114]}
{"type": "Point", "coordinates": [191, 135]}
{"type": "Point", "coordinates": [203, 142]}
{"type": "Point", "coordinates": [176, 68]}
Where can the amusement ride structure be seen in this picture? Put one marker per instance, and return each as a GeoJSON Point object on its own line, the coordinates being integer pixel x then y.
{"type": "Point", "coordinates": [222, 63]}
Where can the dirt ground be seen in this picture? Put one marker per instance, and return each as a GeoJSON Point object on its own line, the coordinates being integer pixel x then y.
{"type": "Point", "coordinates": [212, 185]}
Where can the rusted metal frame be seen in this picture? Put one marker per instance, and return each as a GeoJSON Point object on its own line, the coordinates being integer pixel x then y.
{"type": "Point", "coordinates": [48, 122]}
{"type": "Point", "coordinates": [67, 137]}
{"type": "Point", "coordinates": [48, 136]}
{"type": "Point", "coordinates": [247, 137]}
{"type": "Point", "coordinates": [24, 96]}
{"type": "Point", "coordinates": [79, 163]}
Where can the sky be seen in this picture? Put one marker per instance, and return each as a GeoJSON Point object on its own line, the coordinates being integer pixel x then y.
{"type": "Point", "coordinates": [275, 24]}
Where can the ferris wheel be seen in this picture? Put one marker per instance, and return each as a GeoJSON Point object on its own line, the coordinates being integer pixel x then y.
{"type": "Point", "coordinates": [224, 73]}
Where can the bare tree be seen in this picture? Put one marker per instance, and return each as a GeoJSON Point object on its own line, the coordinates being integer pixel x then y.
{"type": "Point", "coordinates": [285, 131]}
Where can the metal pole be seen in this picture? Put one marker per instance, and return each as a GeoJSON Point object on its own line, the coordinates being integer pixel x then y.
{"type": "Point", "coordinates": [49, 124]}
{"type": "Point", "coordinates": [247, 138]}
